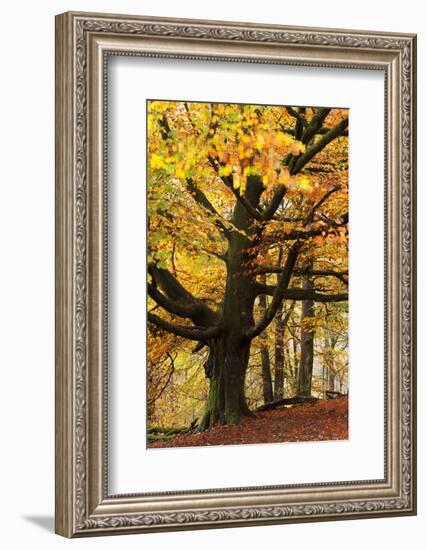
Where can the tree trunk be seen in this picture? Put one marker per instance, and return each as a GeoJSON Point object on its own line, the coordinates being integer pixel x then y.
{"type": "Point", "coordinates": [229, 353]}
{"type": "Point", "coordinates": [279, 342]}
{"type": "Point", "coordinates": [330, 363]}
{"type": "Point", "coordinates": [290, 374]}
{"type": "Point", "coordinates": [226, 402]}
{"type": "Point", "coordinates": [267, 384]}
{"type": "Point", "coordinates": [279, 359]}
{"type": "Point", "coordinates": [331, 380]}
{"type": "Point", "coordinates": [307, 344]}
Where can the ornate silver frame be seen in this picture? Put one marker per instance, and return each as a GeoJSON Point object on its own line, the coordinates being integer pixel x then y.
{"type": "Point", "coordinates": [83, 505]}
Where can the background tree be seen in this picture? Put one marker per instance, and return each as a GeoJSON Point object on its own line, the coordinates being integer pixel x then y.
{"type": "Point", "coordinates": [307, 342]}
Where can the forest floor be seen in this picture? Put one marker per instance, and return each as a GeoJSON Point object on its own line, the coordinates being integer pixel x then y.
{"type": "Point", "coordinates": [318, 421]}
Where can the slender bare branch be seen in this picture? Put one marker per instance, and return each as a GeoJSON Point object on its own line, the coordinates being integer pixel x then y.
{"type": "Point", "coordinates": [333, 223]}
{"type": "Point", "coordinates": [319, 203]}
{"type": "Point", "coordinates": [168, 379]}
{"type": "Point", "coordinates": [205, 203]}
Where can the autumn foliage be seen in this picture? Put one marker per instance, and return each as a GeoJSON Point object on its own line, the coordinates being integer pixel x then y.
{"type": "Point", "coordinates": [247, 260]}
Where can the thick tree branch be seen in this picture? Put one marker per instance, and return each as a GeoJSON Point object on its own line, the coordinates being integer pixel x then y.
{"type": "Point", "coordinates": [295, 114]}
{"type": "Point", "coordinates": [287, 401]}
{"type": "Point", "coordinates": [180, 297]}
{"type": "Point", "coordinates": [299, 125]}
{"type": "Point", "coordinates": [341, 275]}
{"type": "Point", "coordinates": [320, 144]}
{"type": "Point", "coordinates": [191, 333]}
{"type": "Point", "coordinates": [315, 124]}
{"type": "Point", "coordinates": [274, 204]}
{"type": "Point", "coordinates": [302, 294]}
{"type": "Point", "coordinates": [302, 234]}
{"type": "Point", "coordinates": [182, 310]}
{"type": "Point", "coordinates": [325, 130]}
{"type": "Point", "coordinates": [310, 131]}
{"type": "Point", "coordinates": [228, 182]}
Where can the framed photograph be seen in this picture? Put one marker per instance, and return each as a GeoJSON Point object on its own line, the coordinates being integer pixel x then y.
{"type": "Point", "coordinates": [235, 274]}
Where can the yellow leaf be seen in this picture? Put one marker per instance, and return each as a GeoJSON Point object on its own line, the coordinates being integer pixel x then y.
{"type": "Point", "coordinates": [156, 161]}
{"type": "Point", "coordinates": [179, 173]}
{"type": "Point", "coordinates": [284, 176]}
{"type": "Point", "coordinates": [236, 180]}
{"type": "Point", "coordinates": [297, 147]}
{"type": "Point", "coordinates": [259, 144]}
{"type": "Point", "coordinates": [226, 170]}
{"type": "Point", "coordinates": [304, 184]}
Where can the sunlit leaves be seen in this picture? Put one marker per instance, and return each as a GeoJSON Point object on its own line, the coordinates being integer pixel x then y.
{"type": "Point", "coordinates": [242, 139]}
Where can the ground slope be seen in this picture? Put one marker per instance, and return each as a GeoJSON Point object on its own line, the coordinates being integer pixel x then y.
{"type": "Point", "coordinates": [318, 421]}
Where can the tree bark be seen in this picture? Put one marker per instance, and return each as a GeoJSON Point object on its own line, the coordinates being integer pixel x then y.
{"type": "Point", "coordinates": [331, 380]}
{"type": "Point", "coordinates": [330, 363]}
{"type": "Point", "coordinates": [288, 401]}
{"type": "Point", "coordinates": [229, 353]}
{"type": "Point", "coordinates": [307, 344]}
{"type": "Point", "coordinates": [226, 402]}
{"type": "Point", "coordinates": [279, 358]}
{"type": "Point", "coordinates": [267, 384]}
{"type": "Point", "coordinates": [279, 334]}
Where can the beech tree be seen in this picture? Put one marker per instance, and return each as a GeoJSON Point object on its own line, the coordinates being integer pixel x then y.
{"type": "Point", "coordinates": [245, 202]}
